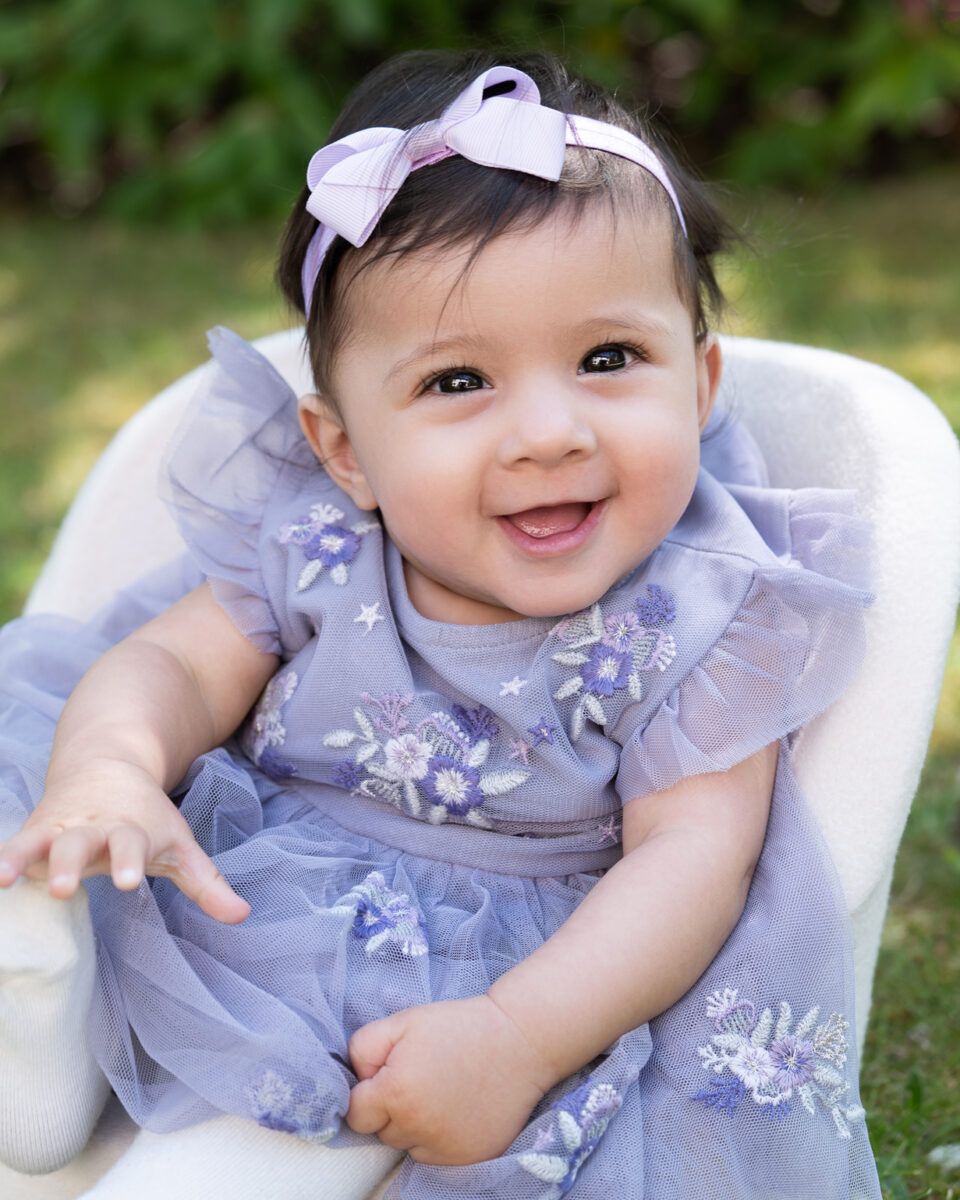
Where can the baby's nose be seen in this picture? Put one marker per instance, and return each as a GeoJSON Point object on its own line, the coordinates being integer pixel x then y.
{"type": "Point", "coordinates": [547, 429]}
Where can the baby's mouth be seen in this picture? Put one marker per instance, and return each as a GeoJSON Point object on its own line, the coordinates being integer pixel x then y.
{"type": "Point", "coordinates": [550, 519]}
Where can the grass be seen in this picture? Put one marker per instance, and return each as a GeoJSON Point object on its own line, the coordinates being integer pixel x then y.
{"type": "Point", "coordinates": [94, 319]}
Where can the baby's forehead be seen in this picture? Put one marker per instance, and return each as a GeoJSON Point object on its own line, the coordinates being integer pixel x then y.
{"type": "Point", "coordinates": [589, 243]}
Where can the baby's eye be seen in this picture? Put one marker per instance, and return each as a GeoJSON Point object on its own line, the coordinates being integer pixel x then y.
{"type": "Point", "coordinates": [608, 358]}
{"type": "Point", "coordinates": [453, 382]}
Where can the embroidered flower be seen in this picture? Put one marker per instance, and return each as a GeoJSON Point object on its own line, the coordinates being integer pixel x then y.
{"type": "Point", "coordinates": [792, 1058]}
{"type": "Point", "coordinates": [542, 732]}
{"type": "Point", "coordinates": [621, 631]}
{"type": "Point", "coordinates": [657, 607]}
{"type": "Point", "coordinates": [622, 648]}
{"type": "Point", "coordinates": [605, 671]}
{"type": "Point", "coordinates": [383, 915]}
{"type": "Point", "coordinates": [478, 722]}
{"type": "Point", "coordinates": [753, 1065]}
{"type": "Point", "coordinates": [276, 1104]}
{"type": "Point", "coordinates": [407, 757]}
{"type": "Point", "coordinates": [325, 543]}
{"type": "Point", "coordinates": [347, 774]}
{"type": "Point", "coordinates": [443, 761]}
{"type": "Point", "coordinates": [455, 786]}
{"type": "Point", "coordinates": [581, 1120]}
{"type": "Point", "coordinates": [264, 729]}
{"type": "Point", "coordinates": [776, 1065]}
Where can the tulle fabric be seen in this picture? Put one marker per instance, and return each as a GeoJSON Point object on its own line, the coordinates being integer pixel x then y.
{"type": "Point", "coordinates": [747, 1087]}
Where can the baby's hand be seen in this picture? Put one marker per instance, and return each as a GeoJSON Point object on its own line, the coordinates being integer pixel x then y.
{"type": "Point", "coordinates": [451, 1082]}
{"type": "Point", "coordinates": [112, 818]}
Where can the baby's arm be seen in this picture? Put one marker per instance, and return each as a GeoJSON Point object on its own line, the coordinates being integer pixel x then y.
{"type": "Point", "coordinates": [454, 1082]}
{"type": "Point", "coordinates": [177, 687]}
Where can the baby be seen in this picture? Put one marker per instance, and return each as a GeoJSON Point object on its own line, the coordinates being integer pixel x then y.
{"type": "Point", "coordinates": [507, 869]}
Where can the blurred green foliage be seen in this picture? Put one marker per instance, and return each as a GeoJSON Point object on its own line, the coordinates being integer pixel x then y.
{"type": "Point", "coordinates": [207, 110]}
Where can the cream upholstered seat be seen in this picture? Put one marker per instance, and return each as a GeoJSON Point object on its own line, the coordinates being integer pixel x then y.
{"type": "Point", "coordinates": [821, 419]}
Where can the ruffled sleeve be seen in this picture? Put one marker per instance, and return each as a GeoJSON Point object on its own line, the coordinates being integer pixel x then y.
{"type": "Point", "coordinates": [238, 440]}
{"type": "Point", "coordinates": [794, 644]}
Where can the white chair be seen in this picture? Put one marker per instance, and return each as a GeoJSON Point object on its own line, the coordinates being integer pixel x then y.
{"type": "Point", "coordinates": [821, 419]}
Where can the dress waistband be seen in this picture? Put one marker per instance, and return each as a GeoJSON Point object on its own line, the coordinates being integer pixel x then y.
{"type": "Point", "coordinates": [466, 845]}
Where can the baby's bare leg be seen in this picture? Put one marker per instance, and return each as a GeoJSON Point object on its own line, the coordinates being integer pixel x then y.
{"type": "Point", "coordinates": [234, 1159]}
{"type": "Point", "coordinates": [52, 1091]}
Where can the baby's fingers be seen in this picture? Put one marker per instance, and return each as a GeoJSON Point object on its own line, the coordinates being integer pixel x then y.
{"type": "Point", "coordinates": [71, 853]}
{"type": "Point", "coordinates": [23, 850]}
{"type": "Point", "coordinates": [129, 847]}
{"type": "Point", "coordinates": [367, 1112]}
{"type": "Point", "coordinates": [197, 876]}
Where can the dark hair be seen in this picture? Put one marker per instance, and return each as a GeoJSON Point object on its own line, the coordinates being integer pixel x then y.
{"type": "Point", "coordinates": [457, 201]}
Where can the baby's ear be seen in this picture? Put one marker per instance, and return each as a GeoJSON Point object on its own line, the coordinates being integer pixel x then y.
{"type": "Point", "coordinates": [709, 370]}
{"type": "Point", "coordinates": [330, 442]}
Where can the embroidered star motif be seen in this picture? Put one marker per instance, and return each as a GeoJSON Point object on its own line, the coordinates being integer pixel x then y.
{"type": "Point", "coordinates": [513, 687]}
{"type": "Point", "coordinates": [542, 732]}
{"type": "Point", "coordinates": [519, 749]}
{"type": "Point", "coordinates": [609, 829]}
{"type": "Point", "coordinates": [370, 614]}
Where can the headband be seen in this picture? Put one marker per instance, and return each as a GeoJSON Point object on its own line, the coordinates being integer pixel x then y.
{"type": "Point", "coordinates": [353, 180]}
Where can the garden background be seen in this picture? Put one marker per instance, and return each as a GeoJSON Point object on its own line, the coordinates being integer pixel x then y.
{"type": "Point", "coordinates": [149, 152]}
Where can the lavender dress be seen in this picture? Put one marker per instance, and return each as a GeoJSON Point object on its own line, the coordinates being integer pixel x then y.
{"type": "Point", "coordinates": [413, 807]}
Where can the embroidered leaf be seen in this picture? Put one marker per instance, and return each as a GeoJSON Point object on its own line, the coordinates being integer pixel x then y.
{"type": "Point", "coordinates": [594, 709]}
{"type": "Point", "coordinates": [309, 574]}
{"type": "Point", "coordinates": [570, 688]}
{"type": "Point", "coordinates": [381, 771]}
{"type": "Point", "coordinates": [808, 1022]}
{"type": "Point", "coordinates": [438, 814]}
{"type": "Point", "coordinates": [570, 1131]}
{"type": "Point", "coordinates": [576, 725]}
{"type": "Point", "coordinates": [643, 650]}
{"type": "Point", "coordinates": [805, 1092]}
{"type": "Point", "coordinates": [478, 755]}
{"type": "Point", "coordinates": [568, 658]}
{"type": "Point", "coordinates": [551, 1168]}
{"type": "Point", "coordinates": [729, 1041]}
{"type": "Point", "coordinates": [635, 686]}
{"type": "Point", "coordinates": [596, 620]}
{"type": "Point", "coordinates": [667, 653]}
{"type": "Point", "coordinates": [495, 783]}
{"type": "Point", "coordinates": [363, 721]}
{"type": "Point", "coordinates": [339, 574]}
{"type": "Point", "coordinates": [710, 1059]}
{"type": "Point", "coordinates": [365, 526]}
{"type": "Point", "coordinates": [412, 795]}
{"type": "Point", "coordinates": [367, 751]}
{"type": "Point", "coordinates": [783, 1024]}
{"type": "Point", "coordinates": [842, 1127]}
{"type": "Point", "coordinates": [340, 739]}
{"type": "Point", "coordinates": [827, 1077]}
{"type": "Point", "coordinates": [761, 1034]}
{"type": "Point", "coordinates": [474, 818]}
{"type": "Point", "coordinates": [377, 940]}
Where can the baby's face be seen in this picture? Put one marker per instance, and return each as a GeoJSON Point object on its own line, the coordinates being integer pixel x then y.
{"type": "Point", "coordinates": [530, 429]}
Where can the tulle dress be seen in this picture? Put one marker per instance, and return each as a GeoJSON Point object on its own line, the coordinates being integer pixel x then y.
{"type": "Point", "coordinates": [413, 807]}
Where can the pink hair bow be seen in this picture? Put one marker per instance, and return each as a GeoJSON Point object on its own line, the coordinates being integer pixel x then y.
{"type": "Point", "coordinates": [354, 179]}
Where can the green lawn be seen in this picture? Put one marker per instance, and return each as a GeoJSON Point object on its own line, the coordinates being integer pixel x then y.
{"type": "Point", "coordinates": [95, 319]}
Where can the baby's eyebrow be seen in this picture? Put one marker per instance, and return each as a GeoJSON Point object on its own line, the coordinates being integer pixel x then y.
{"type": "Point", "coordinates": [459, 342]}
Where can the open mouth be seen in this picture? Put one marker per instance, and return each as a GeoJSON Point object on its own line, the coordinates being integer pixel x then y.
{"type": "Point", "coordinates": [550, 519]}
{"type": "Point", "coordinates": [553, 528]}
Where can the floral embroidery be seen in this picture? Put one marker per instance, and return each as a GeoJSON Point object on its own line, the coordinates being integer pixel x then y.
{"type": "Point", "coordinates": [609, 830]}
{"type": "Point", "coordinates": [277, 1105]}
{"type": "Point", "coordinates": [542, 732]}
{"type": "Point", "coordinates": [383, 915]}
{"type": "Point", "coordinates": [441, 761]}
{"type": "Point", "coordinates": [582, 1118]}
{"type": "Point", "coordinates": [520, 749]}
{"type": "Point", "coordinates": [264, 730]}
{"type": "Point", "coordinates": [622, 648]}
{"type": "Point", "coordinates": [325, 543]}
{"type": "Point", "coordinates": [776, 1064]}
{"type": "Point", "coordinates": [512, 686]}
